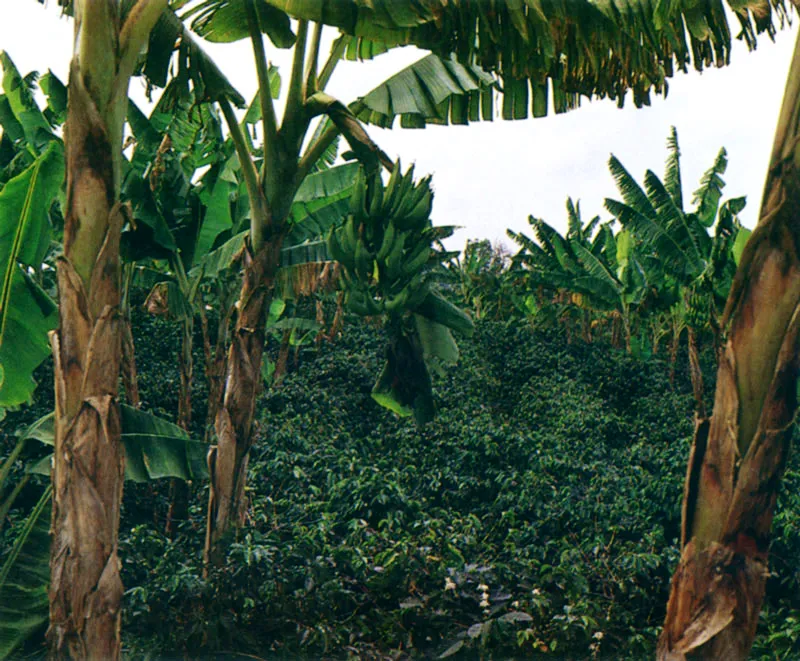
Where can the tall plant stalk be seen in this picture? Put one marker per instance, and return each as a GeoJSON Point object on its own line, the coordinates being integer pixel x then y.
{"type": "Point", "coordinates": [739, 453]}
{"type": "Point", "coordinates": [85, 586]}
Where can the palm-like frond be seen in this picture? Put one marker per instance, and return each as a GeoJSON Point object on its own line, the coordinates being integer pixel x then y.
{"type": "Point", "coordinates": [632, 193]}
{"type": "Point", "coordinates": [650, 233]}
{"type": "Point", "coordinates": [676, 224]}
{"type": "Point", "coordinates": [672, 170]}
{"type": "Point", "coordinates": [706, 198]}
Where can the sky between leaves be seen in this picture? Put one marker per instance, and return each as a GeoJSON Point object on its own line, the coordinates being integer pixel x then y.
{"type": "Point", "coordinates": [491, 176]}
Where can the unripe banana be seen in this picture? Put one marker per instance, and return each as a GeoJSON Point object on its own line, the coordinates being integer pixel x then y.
{"type": "Point", "coordinates": [363, 259]}
{"type": "Point", "coordinates": [349, 238]}
{"type": "Point", "coordinates": [358, 199]}
{"type": "Point", "coordinates": [398, 302]}
{"type": "Point", "coordinates": [394, 260]}
{"type": "Point", "coordinates": [421, 211]}
{"type": "Point", "coordinates": [337, 252]}
{"type": "Point", "coordinates": [388, 241]}
{"type": "Point", "coordinates": [376, 203]}
{"type": "Point", "coordinates": [392, 188]}
{"type": "Point", "coordinates": [416, 260]}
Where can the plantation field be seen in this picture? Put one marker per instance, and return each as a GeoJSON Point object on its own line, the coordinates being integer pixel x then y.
{"type": "Point", "coordinates": [537, 516]}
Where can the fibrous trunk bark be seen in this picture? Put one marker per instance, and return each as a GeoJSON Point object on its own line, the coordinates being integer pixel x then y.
{"type": "Point", "coordinates": [696, 374]}
{"type": "Point", "coordinates": [215, 363]}
{"type": "Point", "coordinates": [227, 462]}
{"type": "Point", "coordinates": [738, 455]}
{"type": "Point", "coordinates": [85, 585]}
{"type": "Point", "coordinates": [179, 489]}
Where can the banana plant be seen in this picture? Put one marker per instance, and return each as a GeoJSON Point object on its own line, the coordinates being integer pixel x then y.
{"type": "Point", "coordinates": [601, 274]}
{"type": "Point", "coordinates": [692, 269]}
{"type": "Point", "coordinates": [274, 173]}
{"type": "Point", "coordinates": [482, 280]}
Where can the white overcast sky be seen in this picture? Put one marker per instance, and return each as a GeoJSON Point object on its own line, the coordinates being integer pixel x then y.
{"type": "Point", "coordinates": [491, 176]}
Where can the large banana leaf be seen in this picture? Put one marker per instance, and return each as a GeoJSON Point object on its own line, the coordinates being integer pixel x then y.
{"type": "Point", "coordinates": [26, 313]}
{"type": "Point", "coordinates": [322, 200]}
{"type": "Point", "coordinates": [433, 90]}
{"type": "Point", "coordinates": [154, 447]}
{"type": "Point", "coordinates": [226, 21]}
{"type": "Point", "coordinates": [18, 95]}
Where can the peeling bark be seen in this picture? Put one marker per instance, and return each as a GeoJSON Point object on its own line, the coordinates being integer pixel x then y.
{"type": "Point", "coordinates": [739, 454]}
{"type": "Point", "coordinates": [130, 376]}
{"type": "Point", "coordinates": [234, 421]}
{"type": "Point", "coordinates": [696, 374]}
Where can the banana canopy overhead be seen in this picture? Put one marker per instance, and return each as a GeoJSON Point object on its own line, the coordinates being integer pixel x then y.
{"type": "Point", "coordinates": [596, 48]}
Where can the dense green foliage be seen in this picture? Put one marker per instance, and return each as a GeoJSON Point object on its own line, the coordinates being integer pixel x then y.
{"type": "Point", "coordinates": [552, 476]}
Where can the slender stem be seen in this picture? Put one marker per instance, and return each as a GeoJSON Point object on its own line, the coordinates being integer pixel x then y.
{"type": "Point", "coordinates": [316, 150]}
{"type": "Point", "coordinates": [294, 97]}
{"type": "Point", "coordinates": [337, 50]}
{"type": "Point", "coordinates": [312, 63]}
{"type": "Point", "coordinates": [268, 117]}
{"type": "Point", "coordinates": [259, 209]}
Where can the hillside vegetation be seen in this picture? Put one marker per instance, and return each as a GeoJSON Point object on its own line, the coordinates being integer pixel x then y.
{"type": "Point", "coordinates": [537, 516]}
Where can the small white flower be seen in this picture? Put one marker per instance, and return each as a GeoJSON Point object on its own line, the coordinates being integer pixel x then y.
{"type": "Point", "coordinates": [536, 592]}
{"type": "Point", "coordinates": [483, 587]}
{"type": "Point", "coordinates": [598, 635]}
{"type": "Point", "coordinates": [485, 603]}
{"type": "Point", "coordinates": [514, 604]}
{"type": "Point", "coordinates": [449, 585]}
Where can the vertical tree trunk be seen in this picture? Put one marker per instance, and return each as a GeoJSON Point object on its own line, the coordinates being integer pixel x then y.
{"type": "Point", "coordinates": [179, 489]}
{"type": "Point", "coordinates": [283, 358]}
{"type": "Point", "coordinates": [227, 462]}
{"type": "Point", "coordinates": [130, 375]}
{"type": "Point", "coordinates": [85, 586]}
{"type": "Point", "coordinates": [696, 374]}
{"type": "Point", "coordinates": [739, 454]}
{"type": "Point", "coordinates": [215, 363]}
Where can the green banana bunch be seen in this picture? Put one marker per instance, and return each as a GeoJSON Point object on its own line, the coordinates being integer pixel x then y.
{"type": "Point", "coordinates": [384, 244]}
{"type": "Point", "coordinates": [386, 248]}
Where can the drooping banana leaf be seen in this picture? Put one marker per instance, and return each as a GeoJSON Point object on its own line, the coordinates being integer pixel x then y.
{"type": "Point", "coordinates": [154, 447]}
{"type": "Point", "coordinates": [26, 312]}
{"type": "Point", "coordinates": [404, 384]}
{"type": "Point", "coordinates": [581, 47]}
{"type": "Point", "coordinates": [226, 21]}
{"type": "Point", "coordinates": [433, 90]}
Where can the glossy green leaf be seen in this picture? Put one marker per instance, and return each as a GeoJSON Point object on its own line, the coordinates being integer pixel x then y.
{"type": "Point", "coordinates": [226, 21]}
{"type": "Point", "coordinates": [26, 313]}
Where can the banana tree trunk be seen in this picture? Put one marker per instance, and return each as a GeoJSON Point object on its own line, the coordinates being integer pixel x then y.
{"type": "Point", "coordinates": [130, 376]}
{"type": "Point", "coordinates": [227, 462]}
{"type": "Point", "coordinates": [215, 362]}
{"type": "Point", "coordinates": [85, 586]}
{"type": "Point", "coordinates": [739, 454]}
{"type": "Point", "coordinates": [179, 489]}
{"type": "Point", "coordinates": [696, 374]}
